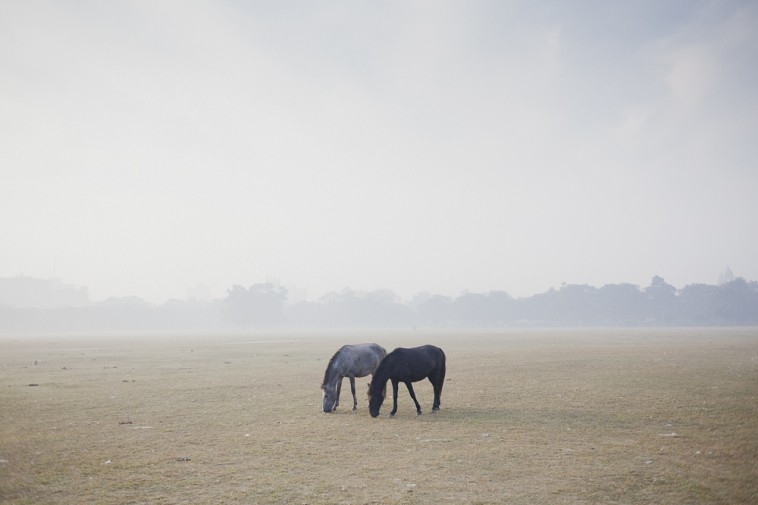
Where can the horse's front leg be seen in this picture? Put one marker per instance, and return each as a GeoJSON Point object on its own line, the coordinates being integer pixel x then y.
{"type": "Point", "coordinates": [394, 398]}
{"type": "Point", "coordinates": [339, 388]}
{"type": "Point", "coordinates": [352, 388]}
{"type": "Point", "coordinates": [413, 395]}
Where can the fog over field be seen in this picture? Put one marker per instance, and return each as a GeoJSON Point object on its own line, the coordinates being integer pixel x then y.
{"type": "Point", "coordinates": [172, 150]}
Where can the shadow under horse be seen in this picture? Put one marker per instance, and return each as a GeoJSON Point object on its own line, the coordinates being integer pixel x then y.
{"type": "Point", "coordinates": [349, 361]}
{"type": "Point", "coordinates": [407, 366]}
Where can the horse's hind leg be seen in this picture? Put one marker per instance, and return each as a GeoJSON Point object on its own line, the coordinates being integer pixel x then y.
{"type": "Point", "coordinates": [352, 388]}
{"type": "Point", "coordinates": [437, 383]}
{"type": "Point", "coordinates": [413, 395]}
{"type": "Point", "coordinates": [437, 393]}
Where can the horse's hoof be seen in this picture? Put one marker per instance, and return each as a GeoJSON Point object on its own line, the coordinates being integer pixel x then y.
{"type": "Point", "coordinates": [418, 412]}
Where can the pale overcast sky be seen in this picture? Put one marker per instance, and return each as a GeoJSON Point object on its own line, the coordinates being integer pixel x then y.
{"type": "Point", "coordinates": [150, 146]}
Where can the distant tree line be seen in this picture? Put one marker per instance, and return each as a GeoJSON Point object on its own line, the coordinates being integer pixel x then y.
{"type": "Point", "coordinates": [660, 304]}
{"type": "Point", "coordinates": [265, 306]}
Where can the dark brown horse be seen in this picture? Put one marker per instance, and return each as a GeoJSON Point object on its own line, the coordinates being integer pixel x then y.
{"type": "Point", "coordinates": [407, 366]}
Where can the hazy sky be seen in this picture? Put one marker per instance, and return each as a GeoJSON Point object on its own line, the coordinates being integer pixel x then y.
{"type": "Point", "coordinates": [150, 146]}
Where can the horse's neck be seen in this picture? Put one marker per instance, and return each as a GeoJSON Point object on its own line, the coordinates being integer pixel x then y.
{"type": "Point", "coordinates": [336, 371]}
{"type": "Point", "coordinates": [382, 374]}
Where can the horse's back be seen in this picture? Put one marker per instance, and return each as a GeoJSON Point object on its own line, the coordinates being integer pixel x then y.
{"type": "Point", "coordinates": [416, 362]}
{"type": "Point", "coordinates": [377, 349]}
{"type": "Point", "coordinates": [430, 351]}
{"type": "Point", "coordinates": [433, 349]}
{"type": "Point", "coordinates": [366, 348]}
{"type": "Point", "coordinates": [437, 354]}
{"type": "Point", "coordinates": [364, 358]}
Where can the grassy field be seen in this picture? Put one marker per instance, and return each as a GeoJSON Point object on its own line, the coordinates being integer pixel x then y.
{"type": "Point", "coordinates": [528, 416]}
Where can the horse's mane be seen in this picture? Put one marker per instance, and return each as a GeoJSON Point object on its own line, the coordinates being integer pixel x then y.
{"type": "Point", "coordinates": [380, 375]}
{"type": "Point", "coordinates": [329, 366]}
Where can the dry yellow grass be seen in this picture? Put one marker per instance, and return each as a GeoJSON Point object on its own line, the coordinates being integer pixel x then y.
{"type": "Point", "coordinates": [580, 416]}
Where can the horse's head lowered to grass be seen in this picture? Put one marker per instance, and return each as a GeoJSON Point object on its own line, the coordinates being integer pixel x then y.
{"type": "Point", "coordinates": [375, 399]}
{"type": "Point", "coordinates": [329, 397]}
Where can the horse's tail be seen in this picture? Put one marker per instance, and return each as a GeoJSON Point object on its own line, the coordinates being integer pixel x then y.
{"type": "Point", "coordinates": [443, 366]}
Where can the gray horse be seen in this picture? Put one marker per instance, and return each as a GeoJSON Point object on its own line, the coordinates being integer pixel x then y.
{"type": "Point", "coordinates": [350, 361]}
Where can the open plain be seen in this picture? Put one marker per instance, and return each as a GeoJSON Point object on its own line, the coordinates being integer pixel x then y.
{"type": "Point", "coordinates": [528, 416]}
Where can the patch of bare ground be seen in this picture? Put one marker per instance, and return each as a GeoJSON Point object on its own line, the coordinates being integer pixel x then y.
{"type": "Point", "coordinates": [580, 416]}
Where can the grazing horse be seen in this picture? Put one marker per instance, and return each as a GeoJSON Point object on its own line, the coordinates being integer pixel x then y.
{"type": "Point", "coordinates": [407, 366]}
{"type": "Point", "coordinates": [350, 361]}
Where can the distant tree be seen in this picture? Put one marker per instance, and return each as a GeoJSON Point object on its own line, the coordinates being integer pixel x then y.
{"type": "Point", "coordinates": [380, 308]}
{"type": "Point", "coordinates": [698, 304]}
{"type": "Point", "coordinates": [726, 276]}
{"type": "Point", "coordinates": [661, 301]}
{"type": "Point", "coordinates": [471, 309]}
{"type": "Point", "coordinates": [622, 304]}
{"type": "Point", "coordinates": [495, 308]}
{"type": "Point", "coordinates": [576, 304]}
{"type": "Point", "coordinates": [540, 308]}
{"type": "Point", "coordinates": [572, 304]}
{"type": "Point", "coordinates": [738, 302]}
{"type": "Point", "coordinates": [435, 310]}
{"type": "Point", "coordinates": [307, 314]}
{"type": "Point", "coordinates": [124, 301]}
{"type": "Point", "coordinates": [30, 292]}
{"type": "Point", "coordinates": [385, 308]}
{"type": "Point", "coordinates": [501, 308]}
{"type": "Point", "coordinates": [260, 304]}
